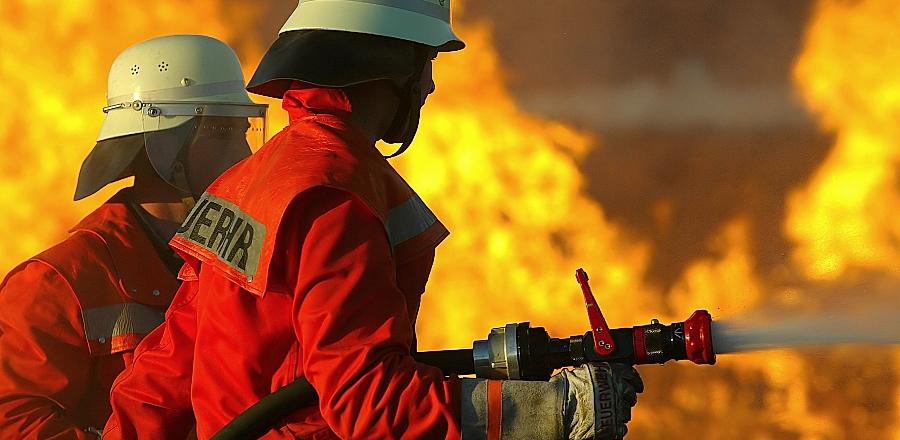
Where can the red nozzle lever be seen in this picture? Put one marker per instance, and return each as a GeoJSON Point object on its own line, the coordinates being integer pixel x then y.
{"type": "Point", "coordinates": [603, 341]}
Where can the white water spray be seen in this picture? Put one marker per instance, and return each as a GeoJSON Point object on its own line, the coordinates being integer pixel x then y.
{"type": "Point", "coordinates": [779, 328]}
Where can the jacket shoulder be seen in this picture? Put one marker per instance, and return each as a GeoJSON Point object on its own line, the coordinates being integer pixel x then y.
{"type": "Point", "coordinates": [112, 323]}
{"type": "Point", "coordinates": [83, 260]}
{"type": "Point", "coordinates": [34, 274]}
{"type": "Point", "coordinates": [309, 154]}
{"type": "Point", "coordinates": [234, 224]}
{"type": "Point", "coordinates": [40, 307]}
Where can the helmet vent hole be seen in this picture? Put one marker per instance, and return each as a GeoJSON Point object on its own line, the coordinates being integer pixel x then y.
{"type": "Point", "coordinates": [163, 66]}
{"type": "Point", "coordinates": [135, 69]}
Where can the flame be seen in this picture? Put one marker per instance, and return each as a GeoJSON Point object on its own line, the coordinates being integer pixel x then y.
{"type": "Point", "coordinates": [845, 217]}
{"type": "Point", "coordinates": [843, 221]}
{"type": "Point", "coordinates": [510, 187]}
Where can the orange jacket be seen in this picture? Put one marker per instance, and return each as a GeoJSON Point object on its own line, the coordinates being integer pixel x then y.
{"type": "Point", "coordinates": [307, 259]}
{"type": "Point", "coordinates": [69, 320]}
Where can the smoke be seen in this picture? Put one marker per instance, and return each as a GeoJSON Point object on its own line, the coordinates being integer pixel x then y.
{"type": "Point", "coordinates": [766, 329]}
{"type": "Point", "coordinates": [691, 96]}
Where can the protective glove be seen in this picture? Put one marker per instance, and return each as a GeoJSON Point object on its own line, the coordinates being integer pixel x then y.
{"type": "Point", "coordinates": [589, 402]}
{"type": "Point", "coordinates": [613, 388]}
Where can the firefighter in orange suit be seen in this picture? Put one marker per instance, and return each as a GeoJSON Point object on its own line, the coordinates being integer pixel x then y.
{"type": "Point", "coordinates": [70, 317]}
{"type": "Point", "coordinates": [309, 259]}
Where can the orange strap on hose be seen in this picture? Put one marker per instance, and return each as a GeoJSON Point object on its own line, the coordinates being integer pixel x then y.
{"type": "Point", "coordinates": [494, 409]}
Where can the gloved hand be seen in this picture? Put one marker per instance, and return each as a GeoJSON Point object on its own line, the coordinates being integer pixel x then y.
{"type": "Point", "coordinates": [599, 400]}
{"type": "Point", "coordinates": [589, 402]}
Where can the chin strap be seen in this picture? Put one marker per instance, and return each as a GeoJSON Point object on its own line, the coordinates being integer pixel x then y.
{"type": "Point", "coordinates": [412, 122]}
{"type": "Point", "coordinates": [406, 120]}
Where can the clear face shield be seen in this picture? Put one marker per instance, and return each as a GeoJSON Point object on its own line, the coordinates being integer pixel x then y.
{"type": "Point", "coordinates": [191, 143]}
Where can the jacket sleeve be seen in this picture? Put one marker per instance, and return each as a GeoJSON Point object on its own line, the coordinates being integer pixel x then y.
{"type": "Point", "coordinates": [354, 327]}
{"type": "Point", "coordinates": [151, 398]}
{"type": "Point", "coordinates": [44, 359]}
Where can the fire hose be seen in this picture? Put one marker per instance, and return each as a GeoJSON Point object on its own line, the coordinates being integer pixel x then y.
{"type": "Point", "coordinates": [520, 352]}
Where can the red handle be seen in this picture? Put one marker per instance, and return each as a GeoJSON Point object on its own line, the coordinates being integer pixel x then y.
{"type": "Point", "coordinates": [603, 341]}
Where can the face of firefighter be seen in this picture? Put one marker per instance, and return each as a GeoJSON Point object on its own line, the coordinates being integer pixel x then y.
{"type": "Point", "coordinates": [219, 144]}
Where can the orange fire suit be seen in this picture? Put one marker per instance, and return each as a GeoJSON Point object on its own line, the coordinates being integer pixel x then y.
{"type": "Point", "coordinates": [70, 318]}
{"type": "Point", "coordinates": [307, 259]}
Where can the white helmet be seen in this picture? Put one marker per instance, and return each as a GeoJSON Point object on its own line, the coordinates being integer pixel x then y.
{"type": "Point", "coordinates": [155, 89]}
{"type": "Point", "coordinates": [420, 21]}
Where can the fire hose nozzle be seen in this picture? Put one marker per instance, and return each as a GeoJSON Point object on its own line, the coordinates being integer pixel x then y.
{"type": "Point", "coordinates": [698, 338]}
{"type": "Point", "coordinates": [519, 351]}
{"type": "Point", "coordinates": [691, 340]}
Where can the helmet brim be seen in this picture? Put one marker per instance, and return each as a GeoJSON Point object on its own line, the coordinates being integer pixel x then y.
{"type": "Point", "coordinates": [330, 59]}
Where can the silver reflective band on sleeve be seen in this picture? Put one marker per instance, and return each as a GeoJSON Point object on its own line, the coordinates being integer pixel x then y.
{"type": "Point", "coordinates": [531, 410]}
{"type": "Point", "coordinates": [408, 220]}
{"type": "Point", "coordinates": [177, 93]}
{"type": "Point", "coordinates": [473, 413]}
{"type": "Point", "coordinates": [421, 6]}
{"type": "Point", "coordinates": [120, 319]}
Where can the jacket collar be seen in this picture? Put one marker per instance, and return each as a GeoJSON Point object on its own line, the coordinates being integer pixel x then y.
{"type": "Point", "coordinates": [329, 106]}
{"type": "Point", "coordinates": [304, 100]}
{"type": "Point", "coordinates": [143, 275]}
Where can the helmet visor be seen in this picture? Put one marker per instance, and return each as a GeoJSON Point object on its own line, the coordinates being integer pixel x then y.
{"type": "Point", "coordinates": [190, 144]}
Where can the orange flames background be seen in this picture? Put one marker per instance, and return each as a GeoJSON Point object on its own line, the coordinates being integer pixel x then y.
{"type": "Point", "coordinates": [513, 188]}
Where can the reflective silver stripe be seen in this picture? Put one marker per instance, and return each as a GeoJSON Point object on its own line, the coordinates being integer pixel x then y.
{"type": "Point", "coordinates": [530, 409]}
{"type": "Point", "coordinates": [408, 220]}
{"type": "Point", "coordinates": [104, 323]}
{"type": "Point", "coordinates": [473, 399]}
{"type": "Point", "coordinates": [421, 6]}
{"type": "Point", "coordinates": [177, 93]}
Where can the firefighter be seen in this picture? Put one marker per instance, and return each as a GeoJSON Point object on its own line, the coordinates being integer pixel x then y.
{"type": "Point", "coordinates": [309, 260]}
{"type": "Point", "coordinates": [71, 316]}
